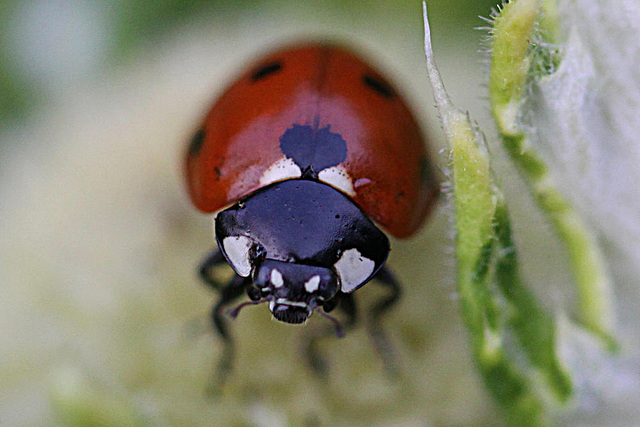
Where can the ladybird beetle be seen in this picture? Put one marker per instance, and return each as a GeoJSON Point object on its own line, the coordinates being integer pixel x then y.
{"type": "Point", "coordinates": [309, 147]}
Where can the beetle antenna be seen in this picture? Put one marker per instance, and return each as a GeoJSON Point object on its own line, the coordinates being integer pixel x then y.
{"type": "Point", "coordinates": [339, 329]}
{"type": "Point", "coordinates": [234, 313]}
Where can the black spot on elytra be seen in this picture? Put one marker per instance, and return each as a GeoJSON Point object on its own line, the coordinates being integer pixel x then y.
{"type": "Point", "coordinates": [266, 70]}
{"type": "Point", "coordinates": [196, 143]}
{"type": "Point", "coordinates": [313, 149]}
{"type": "Point", "coordinates": [378, 85]}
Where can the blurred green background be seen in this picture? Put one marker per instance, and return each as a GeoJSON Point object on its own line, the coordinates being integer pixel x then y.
{"type": "Point", "coordinates": [99, 243]}
{"type": "Point", "coordinates": [48, 43]}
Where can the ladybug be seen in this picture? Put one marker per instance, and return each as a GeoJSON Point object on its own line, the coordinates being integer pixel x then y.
{"type": "Point", "coordinates": [305, 153]}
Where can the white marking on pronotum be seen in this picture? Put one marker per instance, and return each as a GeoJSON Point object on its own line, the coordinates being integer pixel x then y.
{"type": "Point", "coordinates": [237, 250]}
{"type": "Point", "coordinates": [337, 176]}
{"type": "Point", "coordinates": [311, 285]}
{"type": "Point", "coordinates": [276, 278]}
{"type": "Point", "coordinates": [353, 269]}
{"type": "Point", "coordinates": [280, 170]}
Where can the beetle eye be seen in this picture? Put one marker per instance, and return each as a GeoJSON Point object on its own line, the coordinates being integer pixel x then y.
{"type": "Point", "coordinates": [254, 294]}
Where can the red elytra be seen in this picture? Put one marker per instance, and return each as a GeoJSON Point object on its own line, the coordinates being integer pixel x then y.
{"type": "Point", "coordinates": [316, 85]}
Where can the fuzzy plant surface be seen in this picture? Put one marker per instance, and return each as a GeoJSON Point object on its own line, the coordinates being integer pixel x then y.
{"type": "Point", "coordinates": [564, 92]}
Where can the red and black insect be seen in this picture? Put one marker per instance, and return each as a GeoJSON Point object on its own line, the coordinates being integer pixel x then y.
{"type": "Point", "coordinates": [310, 146]}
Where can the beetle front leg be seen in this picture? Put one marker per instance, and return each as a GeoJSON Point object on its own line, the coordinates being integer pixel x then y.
{"type": "Point", "coordinates": [234, 289]}
{"type": "Point", "coordinates": [213, 259]}
{"type": "Point", "coordinates": [380, 341]}
{"type": "Point", "coordinates": [228, 294]}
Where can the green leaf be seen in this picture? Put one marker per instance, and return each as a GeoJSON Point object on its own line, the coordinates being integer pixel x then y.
{"type": "Point", "coordinates": [513, 337]}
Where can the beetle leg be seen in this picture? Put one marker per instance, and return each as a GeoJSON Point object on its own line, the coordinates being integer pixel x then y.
{"type": "Point", "coordinates": [211, 260]}
{"type": "Point", "coordinates": [380, 341]}
{"type": "Point", "coordinates": [228, 294]}
{"type": "Point", "coordinates": [346, 303]}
